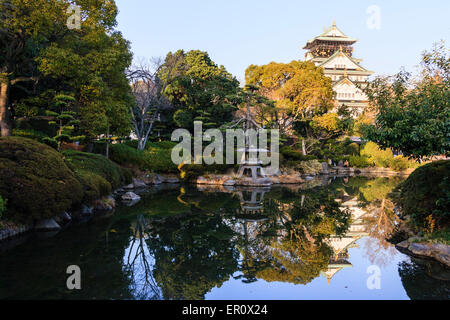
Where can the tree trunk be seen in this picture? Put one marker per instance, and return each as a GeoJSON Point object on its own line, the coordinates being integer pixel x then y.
{"type": "Point", "coordinates": [303, 147]}
{"type": "Point", "coordinates": [5, 117]}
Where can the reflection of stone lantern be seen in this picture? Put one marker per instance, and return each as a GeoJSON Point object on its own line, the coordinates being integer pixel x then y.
{"type": "Point", "coordinates": [254, 203]}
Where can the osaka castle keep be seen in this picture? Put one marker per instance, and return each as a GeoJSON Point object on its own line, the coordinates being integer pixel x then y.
{"type": "Point", "coordinates": [333, 51]}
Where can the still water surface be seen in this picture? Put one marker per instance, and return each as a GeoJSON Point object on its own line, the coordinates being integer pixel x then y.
{"type": "Point", "coordinates": [318, 240]}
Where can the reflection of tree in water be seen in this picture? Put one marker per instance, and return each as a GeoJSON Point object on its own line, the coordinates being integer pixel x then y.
{"type": "Point", "coordinates": [185, 256]}
{"type": "Point", "coordinates": [284, 237]}
{"type": "Point", "coordinates": [290, 246]}
{"type": "Point", "coordinates": [381, 221]}
{"type": "Point", "coordinates": [137, 263]}
{"type": "Point", "coordinates": [419, 285]}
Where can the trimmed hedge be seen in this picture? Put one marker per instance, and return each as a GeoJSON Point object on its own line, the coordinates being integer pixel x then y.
{"type": "Point", "coordinates": [35, 180]}
{"type": "Point", "coordinates": [426, 192]}
{"type": "Point", "coordinates": [376, 156]}
{"type": "Point", "coordinates": [359, 162]}
{"type": "Point", "coordinates": [290, 154]}
{"type": "Point", "coordinates": [153, 159]}
{"type": "Point", "coordinates": [82, 162]}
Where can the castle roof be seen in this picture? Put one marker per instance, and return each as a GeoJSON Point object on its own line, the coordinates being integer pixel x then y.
{"type": "Point", "coordinates": [332, 33]}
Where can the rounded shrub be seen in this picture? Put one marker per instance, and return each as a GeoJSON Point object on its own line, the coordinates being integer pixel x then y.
{"type": "Point", "coordinates": [399, 163]}
{"type": "Point", "coordinates": [94, 185]}
{"type": "Point", "coordinates": [98, 164]}
{"type": "Point", "coordinates": [426, 193]}
{"type": "Point", "coordinates": [35, 180]}
{"type": "Point", "coordinates": [359, 162]}
{"type": "Point", "coordinates": [376, 156]}
{"type": "Point", "coordinates": [123, 154]}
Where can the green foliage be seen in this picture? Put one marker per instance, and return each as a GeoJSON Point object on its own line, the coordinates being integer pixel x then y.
{"type": "Point", "coordinates": [193, 171]}
{"type": "Point", "coordinates": [359, 161]}
{"type": "Point", "coordinates": [289, 153]}
{"type": "Point", "coordinates": [125, 155]}
{"type": "Point", "coordinates": [201, 90]}
{"type": "Point", "coordinates": [36, 124]}
{"type": "Point", "coordinates": [426, 192]}
{"type": "Point", "coordinates": [30, 134]}
{"type": "Point", "coordinates": [157, 157]}
{"type": "Point", "coordinates": [413, 117]}
{"type": "Point", "coordinates": [352, 149]}
{"type": "Point", "coordinates": [160, 160]}
{"type": "Point", "coordinates": [399, 163]}
{"type": "Point", "coordinates": [376, 156]}
{"type": "Point", "coordinates": [305, 167]}
{"type": "Point", "coordinates": [35, 180]}
{"type": "Point", "coordinates": [108, 170]}
{"type": "Point", "coordinates": [87, 64]}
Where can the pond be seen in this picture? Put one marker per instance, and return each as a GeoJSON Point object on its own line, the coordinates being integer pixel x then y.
{"type": "Point", "coordinates": [324, 239]}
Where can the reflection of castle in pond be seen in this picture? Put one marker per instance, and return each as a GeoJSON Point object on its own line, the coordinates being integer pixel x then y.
{"type": "Point", "coordinates": [340, 245]}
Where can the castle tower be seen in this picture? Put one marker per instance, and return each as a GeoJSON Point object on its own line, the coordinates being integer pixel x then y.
{"type": "Point", "coordinates": [333, 51]}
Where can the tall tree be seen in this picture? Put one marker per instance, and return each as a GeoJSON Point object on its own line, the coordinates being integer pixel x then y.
{"type": "Point", "coordinates": [200, 90]}
{"type": "Point", "coordinates": [25, 27]}
{"type": "Point", "coordinates": [300, 89]}
{"type": "Point", "coordinates": [414, 116]}
{"type": "Point", "coordinates": [148, 90]}
{"type": "Point", "coordinates": [88, 63]}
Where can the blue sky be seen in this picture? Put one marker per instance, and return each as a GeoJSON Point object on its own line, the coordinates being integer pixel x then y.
{"type": "Point", "coordinates": [237, 33]}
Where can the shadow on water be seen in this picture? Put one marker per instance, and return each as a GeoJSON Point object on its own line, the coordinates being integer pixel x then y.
{"type": "Point", "coordinates": [183, 242]}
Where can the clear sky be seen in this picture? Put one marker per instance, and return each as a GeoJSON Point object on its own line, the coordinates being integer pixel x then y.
{"type": "Point", "coordinates": [237, 33]}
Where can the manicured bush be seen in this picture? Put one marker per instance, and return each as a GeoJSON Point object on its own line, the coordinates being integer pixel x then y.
{"type": "Point", "coordinates": [193, 171]}
{"type": "Point", "coordinates": [359, 162]}
{"type": "Point", "coordinates": [37, 124]}
{"type": "Point", "coordinates": [94, 185]}
{"type": "Point", "coordinates": [376, 156]}
{"type": "Point", "coordinates": [162, 144]}
{"type": "Point", "coordinates": [426, 193]}
{"type": "Point", "coordinates": [29, 133]}
{"type": "Point", "coordinates": [125, 155]}
{"type": "Point", "coordinates": [305, 167]}
{"type": "Point", "coordinates": [35, 180]}
{"type": "Point", "coordinates": [160, 160]}
{"type": "Point", "coordinates": [289, 154]}
{"type": "Point", "coordinates": [98, 164]}
{"type": "Point", "coordinates": [399, 163]}
{"type": "Point", "coordinates": [352, 149]}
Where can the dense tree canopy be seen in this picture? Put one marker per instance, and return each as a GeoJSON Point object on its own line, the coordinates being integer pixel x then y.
{"type": "Point", "coordinates": [414, 116]}
{"type": "Point", "coordinates": [200, 90]}
{"type": "Point", "coordinates": [300, 89]}
{"type": "Point", "coordinates": [41, 57]}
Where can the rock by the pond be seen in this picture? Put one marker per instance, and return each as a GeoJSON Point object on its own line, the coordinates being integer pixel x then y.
{"type": "Point", "coordinates": [420, 249]}
{"type": "Point", "coordinates": [131, 196]}
{"type": "Point", "coordinates": [154, 179]}
{"type": "Point", "coordinates": [172, 180]}
{"type": "Point", "coordinates": [129, 187]}
{"type": "Point", "coordinates": [229, 183]}
{"type": "Point", "coordinates": [138, 183]}
{"type": "Point", "coordinates": [403, 244]}
{"type": "Point", "coordinates": [47, 225]}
